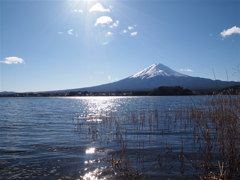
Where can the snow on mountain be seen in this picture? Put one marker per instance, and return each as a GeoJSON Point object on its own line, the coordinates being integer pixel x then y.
{"type": "Point", "coordinates": [157, 70]}
{"type": "Point", "coordinates": [155, 76]}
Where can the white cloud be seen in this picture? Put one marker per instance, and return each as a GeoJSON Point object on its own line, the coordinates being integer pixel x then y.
{"type": "Point", "coordinates": [130, 27]}
{"type": "Point", "coordinates": [230, 31]}
{"type": "Point", "coordinates": [124, 31]}
{"type": "Point", "coordinates": [12, 60]}
{"type": "Point", "coordinates": [115, 24]}
{"type": "Point", "coordinates": [109, 33]}
{"type": "Point", "coordinates": [186, 70]}
{"type": "Point", "coordinates": [78, 10]}
{"type": "Point", "coordinates": [103, 20]}
{"type": "Point", "coordinates": [70, 31]}
{"type": "Point", "coordinates": [134, 33]}
{"type": "Point", "coordinates": [98, 8]}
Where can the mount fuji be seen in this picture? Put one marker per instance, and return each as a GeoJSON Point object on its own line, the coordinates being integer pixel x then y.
{"type": "Point", "coordinates": [155, 76]}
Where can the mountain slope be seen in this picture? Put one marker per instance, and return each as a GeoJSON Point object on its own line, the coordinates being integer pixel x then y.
{"type": "Point", "coordinates": [7, 93]}
{"type": "Point", "coordinates": [158, 75]}
{"type": "Point", "coordinates": [152, 77]}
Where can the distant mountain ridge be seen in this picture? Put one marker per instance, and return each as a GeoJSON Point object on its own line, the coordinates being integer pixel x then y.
{"type": "Point", "coordinates": [155, 76]}
{"type": "Point", "coordinates": [152, 77]}
{"type": "Point", "coordinates": [7, 93]}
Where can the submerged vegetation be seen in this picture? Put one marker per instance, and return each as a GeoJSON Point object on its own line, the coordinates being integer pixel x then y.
{"type": "Point", "coordinates": [218, 129]}
{"type": "Point", "coordinates": [191, 137]}
{"type": "Point", "coordinates": [197, 142]}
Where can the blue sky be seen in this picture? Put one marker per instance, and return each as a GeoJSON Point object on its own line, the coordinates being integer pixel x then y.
{"type": "Point", "coordinates": [63, 44]}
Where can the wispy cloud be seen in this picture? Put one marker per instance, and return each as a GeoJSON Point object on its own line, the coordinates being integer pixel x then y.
{"type": "Point", "coordinates": [230, 31]}
{"type": "Point", "coordinates": [78, 11]}
{"type": "Point", "coordinates": [12, 60]}
{"type": "Point", "coordinates": [109, 33]}
{"type": "Point", "coordinates": [124, 31]}
{"type": "Point", "coordinates": [70, 31]}
{"type": "Point", "coordinates": [131, 30]}
{"type": "Point", "coordinates": [133, 33]}
{"type": "Point", "coordinates": [130, 27]}
{"type": "Point", "coordinates": [98, 7]}
{"type": "Point", "coordinates": [186, 70]}
{"type": "Point", "coordinates": [115, 24]}
{"type": "Point", "coordinates": [103, 20]}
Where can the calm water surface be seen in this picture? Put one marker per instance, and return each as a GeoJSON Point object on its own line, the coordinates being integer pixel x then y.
{"type": "Point", "coordinates": [94, 137]}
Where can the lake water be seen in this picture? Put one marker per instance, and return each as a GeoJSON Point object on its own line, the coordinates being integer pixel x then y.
{"type": "Point", "coordinates": [96, 138]}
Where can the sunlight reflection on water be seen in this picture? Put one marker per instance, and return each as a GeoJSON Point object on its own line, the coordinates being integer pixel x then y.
{"type": "Point", "coordinates": [85, 137]}
{"type": "Point", "coordinates": [101, 104]}
{"type": "Point", "coordinates": [94, 175]}
{"type": "Point", "coordinates": [97, 109]}
{"type": "Point", "coordinates": [90, 150]}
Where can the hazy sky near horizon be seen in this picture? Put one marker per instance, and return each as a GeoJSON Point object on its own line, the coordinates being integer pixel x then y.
{"type": "Point", "coordinates": [64, 44]}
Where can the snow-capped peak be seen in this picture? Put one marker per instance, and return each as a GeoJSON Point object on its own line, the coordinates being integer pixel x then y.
{"type": "Point", "coordinates": [156, 70]}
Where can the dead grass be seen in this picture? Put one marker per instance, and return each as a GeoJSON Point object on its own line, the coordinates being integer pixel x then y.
{"type": "Point", "coordinates": [215, 132]}
{"type": "Point", "coordinates": [217, 125]}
